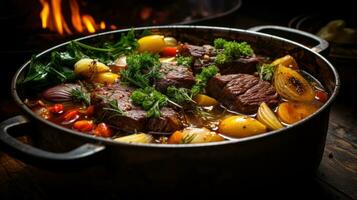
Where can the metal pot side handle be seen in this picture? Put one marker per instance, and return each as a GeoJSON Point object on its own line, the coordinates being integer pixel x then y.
{"type": "Point", "coordinates": [30, 152]}
{"type": "Point", "coordinates": [320, 47]}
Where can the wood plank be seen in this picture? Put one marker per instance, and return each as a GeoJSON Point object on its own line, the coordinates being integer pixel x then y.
{"type": "Point", "coordinates": [339, 163]}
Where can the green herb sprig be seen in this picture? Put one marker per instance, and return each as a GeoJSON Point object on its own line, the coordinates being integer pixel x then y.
{"type": "Point", "coordinates": [150, 100]}
{"type": "Point", "coordinates": [142, 69]}
{"type": "Point", "coordinates": [266, 71]}
{"type": "Point", "coordinates": [202, 79]}
{"type": "Point", "coordinates": [231, 50]}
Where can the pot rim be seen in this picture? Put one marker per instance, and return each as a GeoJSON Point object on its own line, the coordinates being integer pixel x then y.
{"type": "Point", "coordinates": [109, 141]}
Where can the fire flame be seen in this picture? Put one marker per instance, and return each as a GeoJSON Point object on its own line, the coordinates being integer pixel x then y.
{"type": "Point", "coordinates": [53, 19]}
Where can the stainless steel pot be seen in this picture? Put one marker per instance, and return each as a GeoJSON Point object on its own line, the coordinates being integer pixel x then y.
{"type": "Point", "coordinates": [296, 149]}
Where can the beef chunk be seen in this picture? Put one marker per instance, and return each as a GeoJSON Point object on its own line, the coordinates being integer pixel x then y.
{"type": "Point", "coordinates": [204, 56]}
{"type": "Point", "coordinates": [217, 83]}
{"type": "Point", "coordinates": [134, 118]}
{"type": "Point", "coordinates": [198, 51]}
{"type": "Point", "coordinates": [173, 75]}
{"type": "Point", "coordinates": [167, 122]}
{"type": "Point", "coordinates": [241, 65]}
{"type": "Point", "coordinates": [242, 92]}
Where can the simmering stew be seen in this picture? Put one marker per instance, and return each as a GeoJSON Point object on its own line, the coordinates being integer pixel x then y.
{"type": "Point", "coordinates": [155, 89]}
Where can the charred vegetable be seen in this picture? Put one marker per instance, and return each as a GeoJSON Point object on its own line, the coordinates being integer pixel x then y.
{"type": "Point", "coordinates": [291, 85]}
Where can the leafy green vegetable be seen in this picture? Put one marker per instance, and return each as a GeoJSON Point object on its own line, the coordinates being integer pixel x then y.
{"type": "Point", "coordinates": [150, 100]}
{"type": "Point", "coordinates": [142, 69]}
{"type": "Point", "coordinates": [202, 79]}
{"type": "Point", "coordinates": [110, 51]}
{"type": "Point", "coordinates": [179, 95]}
{"type": "Point", "coordinates": [231, 50]}
{"type": "Point", "coordinates": [59, 69]}
{"type": "Point", "coordinates": [42, 75]}
{"type": "Point", "coordinates": [184, 61]}
{"type": "Point", "coordinates": [266, 71]}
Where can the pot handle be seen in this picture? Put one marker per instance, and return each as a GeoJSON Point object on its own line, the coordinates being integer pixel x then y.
{"type": "Point", "coordinates": [28, 152]}
{"type": "Point", "coordinates": [293, 34]}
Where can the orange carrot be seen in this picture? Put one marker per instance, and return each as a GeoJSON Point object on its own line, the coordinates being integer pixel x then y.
{"type": "Point", "coordinates": [102, 130]}
{"type": "Point", "coordinates": [291, 112]}
{"type": "Point", "coordinates": [83, 125]}
{"type": "Point", "coordinates": [175, 138]}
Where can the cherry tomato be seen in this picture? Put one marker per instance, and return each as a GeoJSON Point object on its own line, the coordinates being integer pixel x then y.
{"type": "Point", "coordinates": [102, 130]}
{"type": "Point", "coordinates": [57, 108]}
{"type": "Point", "coordinates": [321, 96]}
{"type": "Point", "coordinates": [169, 51]}
{"type": "Point", "coordinates": [83, 125]}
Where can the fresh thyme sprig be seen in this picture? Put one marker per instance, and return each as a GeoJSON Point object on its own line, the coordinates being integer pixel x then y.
{"type": "Point", "coordinates": [79, 95]}
{"type": "Point", "coordinates": [114, 109]}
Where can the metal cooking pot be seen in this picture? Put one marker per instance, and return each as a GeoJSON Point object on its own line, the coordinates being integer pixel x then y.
{"type": "Point", "coordinates": [296, 149]}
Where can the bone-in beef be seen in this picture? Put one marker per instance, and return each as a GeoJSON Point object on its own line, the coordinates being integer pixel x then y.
{"type": "Point", "coordinates": [242, 92]}
{"type": "Point", "coordinates": [174, 75]}
{"type": "Point", "coordinates": [133, 117]}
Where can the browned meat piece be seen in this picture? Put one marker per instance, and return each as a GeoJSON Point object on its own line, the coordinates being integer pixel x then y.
{"type": "Point", "coordinates": [241, 65]}
{"type": "Point", "coordinates": [198, 51]}
{"type": "Point", "coordinates": [217, 83]}
{"type": "Point", "coordinates": [168, 121]}
{"type": "Point", "coordinates": [133, 118]}
{"type": "Point", "coordinates": [173, 75]}
{"type": "Point", "coordinates": [242, 92]}
{"type": "Point", "coordinates": [204, 56]}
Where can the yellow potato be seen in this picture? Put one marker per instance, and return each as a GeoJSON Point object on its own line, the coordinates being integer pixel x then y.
{"type": "Point", "coordinates": [192, 135]}
{"type": "Point", "coordinates": [106, 78]}
{"type": "Point", "coordinates": [151, 43]}
{"type": "Point", "coordinates": [241, 126]}
{"type": "Point", "coordinates": [204, 100]}
{"type": "Point", "coordinates": [88, 67]}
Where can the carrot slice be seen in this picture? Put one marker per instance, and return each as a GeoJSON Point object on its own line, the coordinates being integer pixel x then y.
{"type": "Point", "coordinates": [291, 112]}
{"type": "Point", "coordinates": [175, 138]}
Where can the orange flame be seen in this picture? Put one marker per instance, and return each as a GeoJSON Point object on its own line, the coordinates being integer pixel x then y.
{"type": "Point", "coordinates": [53, 19]}
{"type": "Point", "coordinates": [44, 13]}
